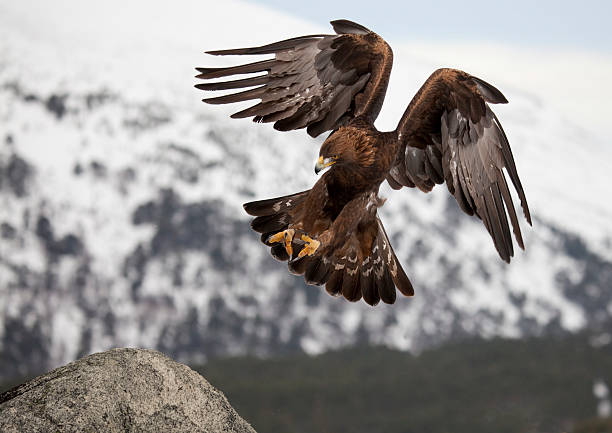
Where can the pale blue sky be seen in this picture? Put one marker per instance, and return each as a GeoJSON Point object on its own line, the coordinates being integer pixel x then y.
{"type": "Point", "coordinates": [582, 25]}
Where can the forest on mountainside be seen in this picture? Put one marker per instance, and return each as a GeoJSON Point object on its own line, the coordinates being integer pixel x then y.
{"type": "Point", "coordinates": [475, 386]}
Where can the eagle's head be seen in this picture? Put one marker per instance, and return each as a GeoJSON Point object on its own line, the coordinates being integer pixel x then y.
{"type": "Point", "coordinates": [345, 147]}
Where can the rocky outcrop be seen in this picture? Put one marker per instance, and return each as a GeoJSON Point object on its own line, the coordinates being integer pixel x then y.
{"type": "Point", "coordinates": [118, 391]}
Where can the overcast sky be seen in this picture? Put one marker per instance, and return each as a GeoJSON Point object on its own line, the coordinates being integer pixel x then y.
{"type": "Point", "coordinates": [559, 51]}
{"type": "Point", "coordinates": [560, 24]}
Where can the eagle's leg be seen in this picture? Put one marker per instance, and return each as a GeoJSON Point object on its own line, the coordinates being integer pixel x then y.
{"type": "Point", "coordinates": [311, 246]}
{"type": "Point", "coordinates": [285, 236]}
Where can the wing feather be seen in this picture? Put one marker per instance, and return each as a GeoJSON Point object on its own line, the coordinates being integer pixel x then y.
{"type": "Point", "coordinates": [236, 84]}
{"type": "Point", "coordinates": [209, 73]}
{"type": "Point", "coordinates": [505, 192]}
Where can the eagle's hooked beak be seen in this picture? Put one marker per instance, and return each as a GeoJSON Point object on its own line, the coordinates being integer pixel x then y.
{"type": "Point", "coordinates": [323, 163]}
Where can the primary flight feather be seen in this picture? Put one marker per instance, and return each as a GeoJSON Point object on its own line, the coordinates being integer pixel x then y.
{"type": "Point", "coordinates": [331, 233]}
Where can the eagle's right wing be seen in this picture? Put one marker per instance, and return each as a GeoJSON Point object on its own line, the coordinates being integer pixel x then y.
{"type": "Point", "coordinates": [318, 82]}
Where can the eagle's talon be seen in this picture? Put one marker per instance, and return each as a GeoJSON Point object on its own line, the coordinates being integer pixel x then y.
{"type": "Point", "coordinates": [310, 248]}
{"type": "Point", "coordinates": [285, 236]}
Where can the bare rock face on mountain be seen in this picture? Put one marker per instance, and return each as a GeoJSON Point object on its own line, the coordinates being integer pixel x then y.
{"type": "Point", "coordinates": [119, 390]}
{"type": "Point", "coordinates": [118, 204]}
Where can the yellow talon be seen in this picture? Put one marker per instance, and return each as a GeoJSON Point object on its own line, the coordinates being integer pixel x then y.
{"type": "Point", "coordinates": [311, 246]}
{"type": "Point", "coordinates": [285, 236]}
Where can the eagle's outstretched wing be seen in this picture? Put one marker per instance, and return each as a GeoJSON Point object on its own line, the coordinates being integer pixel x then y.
{"type": "Point", "coordinates": [449, 133]}
{"type": "Point", "coordinates": [317, 82]}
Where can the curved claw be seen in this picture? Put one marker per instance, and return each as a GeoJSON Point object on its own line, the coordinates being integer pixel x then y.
{"type": "Point", "coordinates": [310, 248]}
{"type": "Point", "coordinates": [285, 236]}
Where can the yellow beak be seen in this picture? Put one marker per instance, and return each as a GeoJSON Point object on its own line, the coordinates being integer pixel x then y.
{"type": "Point", "coordinates": [323, 163]}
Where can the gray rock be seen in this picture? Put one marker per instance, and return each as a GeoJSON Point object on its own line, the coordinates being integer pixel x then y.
{"type": "Point", "coordinates": [119, 390]}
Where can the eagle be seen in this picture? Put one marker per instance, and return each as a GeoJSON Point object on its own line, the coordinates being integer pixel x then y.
{"type": "Point", "coordinates": [332, 234]}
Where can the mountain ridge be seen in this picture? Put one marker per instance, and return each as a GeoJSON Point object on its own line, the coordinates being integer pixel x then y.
{"type": "Point", "coordinates": [122, 225]}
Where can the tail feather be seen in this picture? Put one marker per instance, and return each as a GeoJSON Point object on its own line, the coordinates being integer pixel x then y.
{"type": "Point", "coordinates": [318, 273]}
{"type": "Point", "coordinates": [386, 288]}
{"type": "Point", "coordinates": [299, 267]}
{"type": "Point", "coordinates": [272, 216]}
{"type": "Point", "coordinates": [334, 284]}
{"type": "Point", "coordinates": [273, 206]}
{"type": "Point", "coordinates": [351, 289]}
{"type": "Point", "coordinates": [369, 289]}
{"type": "Point", "coordinates": [279, 253]}
{"type": "Point", "coordinates": [270, 223]}
{"type": "Point", "coordinates": [398, 276]}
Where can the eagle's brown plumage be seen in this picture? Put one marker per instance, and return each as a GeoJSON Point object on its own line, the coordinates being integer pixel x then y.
{"type": "Point", "coordinates": [331, 233]}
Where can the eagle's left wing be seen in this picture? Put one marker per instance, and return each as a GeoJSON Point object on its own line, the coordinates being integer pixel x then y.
{"type": "Point", "coordinates": [449, 133]}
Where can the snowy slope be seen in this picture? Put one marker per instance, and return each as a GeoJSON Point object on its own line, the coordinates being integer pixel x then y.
{"type": "Point", "coordinates": [120, 204]}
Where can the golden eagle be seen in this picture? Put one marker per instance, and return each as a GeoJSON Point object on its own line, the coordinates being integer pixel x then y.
{"type": "Point", "coordinates": [331, 233]}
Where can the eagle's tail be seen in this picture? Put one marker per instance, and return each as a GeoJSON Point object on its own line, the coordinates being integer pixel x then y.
{"type": "Point", "coordinates": [273, 216]}
{"type": "Point", "coordinates": [374, 278]}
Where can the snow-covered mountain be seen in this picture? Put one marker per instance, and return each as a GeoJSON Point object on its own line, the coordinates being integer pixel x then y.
{"type": "Point", "coordinates": [120, 205]}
